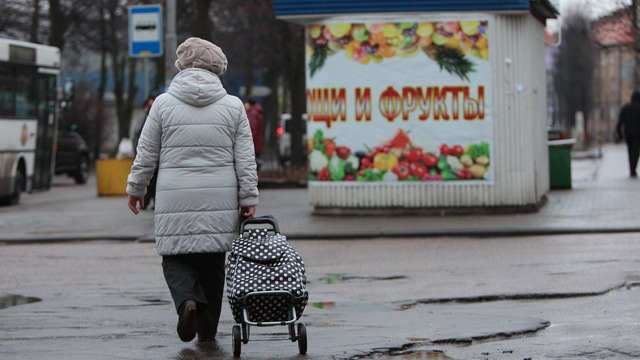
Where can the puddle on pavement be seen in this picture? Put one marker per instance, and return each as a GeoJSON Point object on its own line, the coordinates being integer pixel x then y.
{"type": "Point", "coordinates": [422, 354]}
{"type": "Point", "coordinates": [347, 306]}
{"type": "Point", "coordinates": [150, 301]}
{"type": "Point", "coordinates": [14, 300]}
{"type": "Point", "coordinates": [337, 278]}
{"type": "Point", "coordinates": [333, 279]}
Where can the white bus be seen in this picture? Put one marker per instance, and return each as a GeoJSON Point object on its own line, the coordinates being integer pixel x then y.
{"type": "Point", "coordinates": [29, 79]}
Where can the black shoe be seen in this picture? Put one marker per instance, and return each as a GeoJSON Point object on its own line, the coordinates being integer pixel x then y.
{"type": "Point", "coordinates": [187, 321]}
{"type": "Point", "coordinates": [206, 337]}
{"type": "Point", "coordinates": [205, 331]}
{"type": "Point", "coordinates": [634, 175]}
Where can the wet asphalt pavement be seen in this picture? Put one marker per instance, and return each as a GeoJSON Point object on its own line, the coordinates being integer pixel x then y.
{"type": "Point", "coordinates": [571, 297]}
{"type": "Point", "coordinates": [551, 295]}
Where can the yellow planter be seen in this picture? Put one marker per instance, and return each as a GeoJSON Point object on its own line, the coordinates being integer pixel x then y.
{"type": "Point", "coordinates": [111, 176]}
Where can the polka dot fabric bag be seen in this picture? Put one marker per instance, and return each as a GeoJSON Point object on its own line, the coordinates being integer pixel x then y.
{"type": "Point", "coordinates": [260, 261]}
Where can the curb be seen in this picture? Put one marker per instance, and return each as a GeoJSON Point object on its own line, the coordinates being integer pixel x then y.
{"type": "Point", "coordinates": [472, 233]}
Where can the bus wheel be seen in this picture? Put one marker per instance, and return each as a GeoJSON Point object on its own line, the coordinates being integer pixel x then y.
{"type": "Point", "coordinates": [18, 187]}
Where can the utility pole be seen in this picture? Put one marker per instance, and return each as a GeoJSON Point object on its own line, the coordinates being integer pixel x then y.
{"type": "Point", "coordinates": [171, 40]}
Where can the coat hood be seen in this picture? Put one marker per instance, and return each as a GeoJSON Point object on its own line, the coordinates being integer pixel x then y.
{"type": "Point", "coordinates": [197, 87]}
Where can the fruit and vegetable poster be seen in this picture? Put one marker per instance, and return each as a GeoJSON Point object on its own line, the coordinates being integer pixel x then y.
{"type": "Point", "coordinates": [400, 101]}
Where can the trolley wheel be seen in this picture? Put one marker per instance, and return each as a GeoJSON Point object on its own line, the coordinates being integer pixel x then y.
{"type": "Point", "coordinates": [237, 334]}
{"type": "Point", "coordinates": [302, 338]}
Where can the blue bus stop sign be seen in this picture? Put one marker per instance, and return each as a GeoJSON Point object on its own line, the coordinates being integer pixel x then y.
{"type": "Point", "coordinates": [145, 31]}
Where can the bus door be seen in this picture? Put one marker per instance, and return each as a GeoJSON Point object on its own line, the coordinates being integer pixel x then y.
{"type": "Point", "coordinates": [47, 124]}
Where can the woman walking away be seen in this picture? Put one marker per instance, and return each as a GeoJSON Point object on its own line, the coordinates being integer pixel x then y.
{"type": "Point", "coordinates": [199, 138]}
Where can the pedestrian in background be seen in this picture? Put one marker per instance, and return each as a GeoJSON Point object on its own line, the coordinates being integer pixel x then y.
{"type": "Point", "coordinates": [151, 189]}
{"type": "Point", "coordinates": [629, 127]}
{"type": "Point", "coordinates": [254, 113]}
{"type": "Point", "coordinates": [200, 139]}
{"type": "Point", "coordinates": [146, 107]}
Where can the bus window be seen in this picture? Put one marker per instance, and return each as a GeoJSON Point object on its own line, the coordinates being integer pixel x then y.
{"type": "Point", "coordinates": [26, 92]}
{"type": "Point", "coordinates": [6, 91]}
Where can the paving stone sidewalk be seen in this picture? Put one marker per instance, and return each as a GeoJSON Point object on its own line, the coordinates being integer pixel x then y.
{"type": "Point", "coordinates": [603, 199]}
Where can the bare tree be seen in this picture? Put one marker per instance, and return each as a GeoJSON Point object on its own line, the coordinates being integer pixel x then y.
{"type": "Point", "coordinates": [202, 23]}
{"type": "Point", "coordinates": [101, 33]}
{"type": "Point", "coordinates": [35, 21]}
{"type": "Point", "coordinates": [295, 62]}
{"type": "Point", "coordinates": [16, 19]}
{"type": "Point", "coordinates": [258, 46]}
{"type": "Point", "coordinates": [274, 50]}
{"type": "Point", "coordinates": [574, 67]}
{"type": "Point", "coordinates": [87, 114]}
{"type": "Point", "coordinates": [123, 68]}
{"type": "Point", "coordinates": [88, 39]}
{"type": "Point", "coordinates": [93, 35]}
{"type": "Point", "coordinates": [62, 14]}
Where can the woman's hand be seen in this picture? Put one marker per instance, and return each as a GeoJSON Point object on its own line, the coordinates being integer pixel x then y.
{"type": "Point", "coordinates": [248, 211]}
{"type": "Point", "coordinates": [133, 203]}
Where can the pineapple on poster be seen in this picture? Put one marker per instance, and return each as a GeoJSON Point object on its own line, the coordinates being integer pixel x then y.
{"type": "Point", "coordinates": [400, 101]}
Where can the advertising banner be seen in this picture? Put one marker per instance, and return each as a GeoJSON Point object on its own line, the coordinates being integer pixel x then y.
{"type": "Point", "coordinates": [400, 101]}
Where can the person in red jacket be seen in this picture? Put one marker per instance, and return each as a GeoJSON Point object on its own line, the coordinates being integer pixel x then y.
{"type": "Point", "coordinates": [254, 113]}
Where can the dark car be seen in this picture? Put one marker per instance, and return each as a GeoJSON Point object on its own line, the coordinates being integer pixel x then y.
{"type": "Point", "coordinates": [72, 156]}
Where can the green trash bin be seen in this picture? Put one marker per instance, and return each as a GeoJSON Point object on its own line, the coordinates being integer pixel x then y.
{"type": "Point", "coordinates": [560, 163]}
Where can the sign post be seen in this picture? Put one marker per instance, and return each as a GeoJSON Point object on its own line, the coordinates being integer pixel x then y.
{"type": "Point", "coordinates": [145, 35]}
{"type": "Point", "coordinates": [145, 31]}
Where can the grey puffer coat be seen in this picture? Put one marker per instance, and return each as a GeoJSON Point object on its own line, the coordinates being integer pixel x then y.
{"type": "Point", "coordinates": [201, 140]}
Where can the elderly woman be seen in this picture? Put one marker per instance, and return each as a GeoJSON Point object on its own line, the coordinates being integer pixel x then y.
{"type": "Point", "coordinates": [200, 140]}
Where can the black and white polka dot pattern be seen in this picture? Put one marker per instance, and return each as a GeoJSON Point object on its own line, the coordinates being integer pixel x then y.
{"type": "Point", "coordinates": [263, 262]}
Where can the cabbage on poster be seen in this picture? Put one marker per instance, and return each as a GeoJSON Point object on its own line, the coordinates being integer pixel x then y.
{"type": "Point", "coordinates": [405, 101]}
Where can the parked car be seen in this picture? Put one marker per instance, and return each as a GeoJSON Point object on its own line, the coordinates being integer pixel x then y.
{"type": "Point", "coordinates": [283, 136]}
{"type": "Point", "coordinates": [72, 156]}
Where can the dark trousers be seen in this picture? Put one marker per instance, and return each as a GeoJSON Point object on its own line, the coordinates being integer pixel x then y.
{"type": "Point", "coordinates": [633, 146]}
{"type": "Point", "coordinates": [198, 277]}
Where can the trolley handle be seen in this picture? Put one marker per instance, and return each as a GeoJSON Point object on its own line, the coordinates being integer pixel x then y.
{"type": "Point", "coordinates": [265, 219]}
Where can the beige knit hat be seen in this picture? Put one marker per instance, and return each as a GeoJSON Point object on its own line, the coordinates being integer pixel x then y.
{"type": "Point", "coordinates": [198, 53]}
